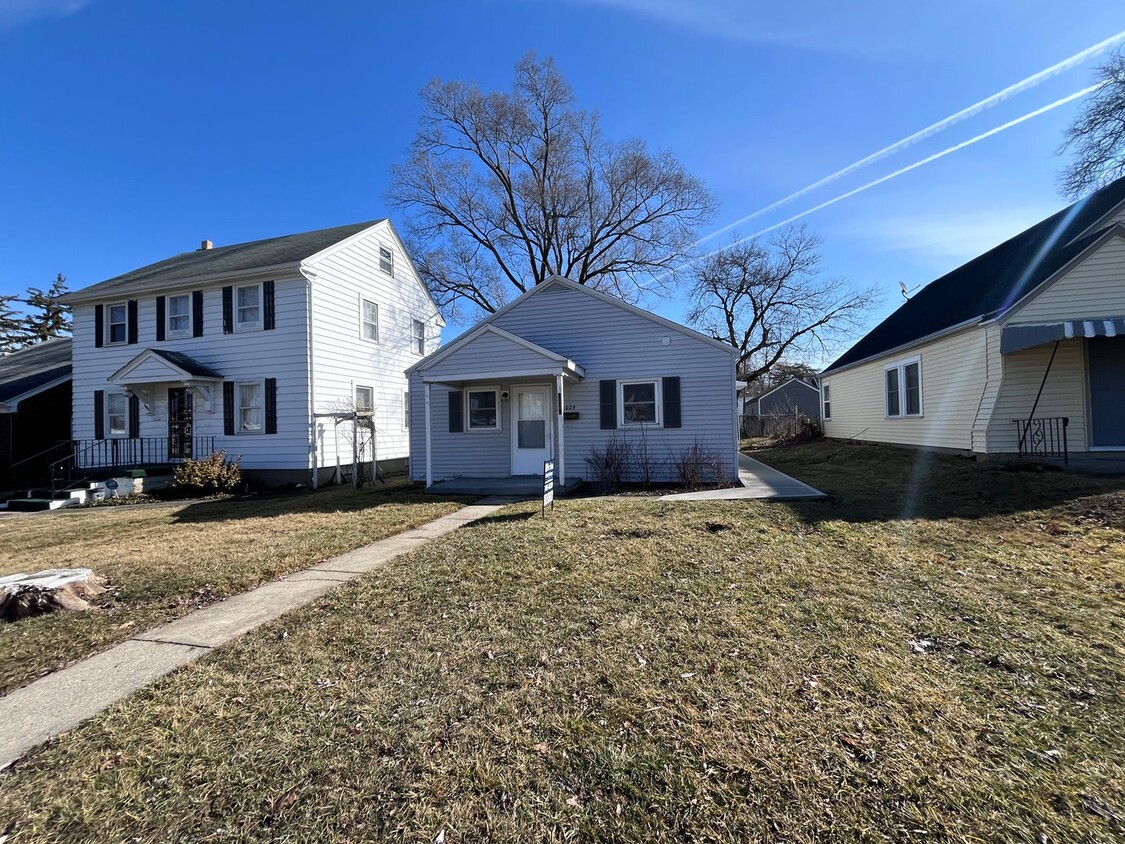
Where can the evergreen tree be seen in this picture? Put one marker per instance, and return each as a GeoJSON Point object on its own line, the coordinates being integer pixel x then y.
{"type": "Point", "coordinates": [13, 334]}
{"type": "Point", "coordinates": [48, 318]}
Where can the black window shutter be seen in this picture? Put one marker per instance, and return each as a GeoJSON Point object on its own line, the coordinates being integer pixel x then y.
{"type": "Point", "coordinates": [271, 405]}
{"type": "Point", "coordinates": [159, 318]}
{"type": "Point", "coordinates": [267, 306]}
{"type": "Point", "coordinates": [134, 416]}
{"type": "Point", "coordinates": [228, 310]}
{"type": "Point", "coordinates": [456, 424]}
{"type": "Point", "coordinates": [671, 389]}
{"type": "Point", "coordinates": [197, 313]}
{"type": "Point", "coordinates": [608, 391]}
{"type": "Point", "coordinates": [228, 408]}
{"type": "Point", "coordinates": [132, 321]}
{"type": "Point", "coordinates": [99, 325]}
{"type": "Point", "coordinates": [99, 414]}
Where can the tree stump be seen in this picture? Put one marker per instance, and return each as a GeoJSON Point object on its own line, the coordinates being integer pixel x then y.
{"type": "Point", "coordinates": [23, 595]}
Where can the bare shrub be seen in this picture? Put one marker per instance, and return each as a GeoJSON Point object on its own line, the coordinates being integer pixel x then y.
{"type": "Point", "coordinates": [609, 466]}
{"type": "Point", "coordinates": [697, 464]}
{"type": "Point", "coordinates": [208, 475]}
{"type": "Point", "coordinates": [647, 467]}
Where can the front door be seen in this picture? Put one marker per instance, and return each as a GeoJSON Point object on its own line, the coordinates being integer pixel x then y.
{"type": "Point", "coordinates": [179, 423]}
{"type": "Point", "coordinates": [531, 429]}
{"type": "Point", "coordinates": [1107, 391]}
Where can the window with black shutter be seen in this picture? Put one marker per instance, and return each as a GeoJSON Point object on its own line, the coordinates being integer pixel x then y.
{"type": "Point", "coordinates": [228, 310]}
{"type": "Point", "coordinates": [99, 414]}
{"type": "Point", "coordinates": [132, 322]}
{"type": "Point", "coordinates": [197, 313]}
{"type": "Point", "coordinates": [99, 325]}
{"type": "Point", "coordinates": [608, 400]}
{"type": "Point", "coordinates": [228, 408]}
{"type": "Point", "coordinates": [268, 310]}
{"type": "Point", "coordinates": [271, 405]}
{"type": "Point", "coordinates": [456, 423]}
{"type": "Point", "coordinates": [671, 395]}
{"type": "Point", "coordinates": [161, 304]}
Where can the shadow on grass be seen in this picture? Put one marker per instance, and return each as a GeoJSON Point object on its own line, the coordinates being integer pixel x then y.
{"type": "Point", "coordinates": [869, 483]}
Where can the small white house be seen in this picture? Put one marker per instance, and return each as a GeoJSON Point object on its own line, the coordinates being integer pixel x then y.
{"type": "Point", "coordinates": [264, 349]}
{"type": "Point", "coordinates": [557, 373]}
{"type": "Point", "coordinates": [1021, 351]}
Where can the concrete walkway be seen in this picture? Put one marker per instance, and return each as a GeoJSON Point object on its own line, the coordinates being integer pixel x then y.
{"type": "Point", "coordinates": [63, 700]}
{"type": "Point", "coordinates": [758, 481]}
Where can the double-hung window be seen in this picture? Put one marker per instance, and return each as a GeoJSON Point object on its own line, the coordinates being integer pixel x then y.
{"type": "Point", "coordinates": [640, 403]}
{"type": "Point", "coordinates": [117, 414]}
{"type": "Point", "coordinates": [418, 337]}
{"type": "Point", "coordinates": [369, 319]}
{"type": "Point", "coordinates": [386, 260]}
{"type": "Point", "coordinates": [179, 316]}
{"type": "Point", "coordinates": [406, 410]}
{"type": "Point", "coordinates": [117, 326]}
{"type": "Point", "coordinates": [902, 388]}
{"type": "Point", "coordinates": [826, 400]}
{"type": "Point", "coordinates": [249, 404]}
{"type": "Point", "coordinates": [483, 409]}
{"type": "Point", "coordinates": [248, 307]}
{"type": "Point", "coordinates": [364, 399]}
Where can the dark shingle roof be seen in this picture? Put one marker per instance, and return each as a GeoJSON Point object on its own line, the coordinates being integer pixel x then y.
{"type": "Point", "coordinates": [995, 281]}
{"type": "Point", "coordinates": [223, 259]}
{"type": "Point", "coordinates": [28, 369]}
{"type": "Point", "coordinates": [187, 363]}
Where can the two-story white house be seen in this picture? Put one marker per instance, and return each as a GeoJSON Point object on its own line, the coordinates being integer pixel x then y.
{"type": "Point", "coordinates": [263, 349]}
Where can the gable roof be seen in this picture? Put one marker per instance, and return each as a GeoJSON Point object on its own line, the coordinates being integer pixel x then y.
{"type": "Point", "coordinates": [993, 282]}
{"type": "Point", "coordinates": [220, 260]}
{"type": "Point", "coordinates": [437, 356]}
{"type": "Point", "coordinates": [181, 364]}
{"type": "Point", "coordinates": [32, 370]}
{"type": "Point", "coordinates": [783, 385]}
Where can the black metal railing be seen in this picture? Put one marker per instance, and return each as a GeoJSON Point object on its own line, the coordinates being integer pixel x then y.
{"type": "Point", "coordinates": [88, 456]}
{"type": "Point", "coordinates": [1043, 437]}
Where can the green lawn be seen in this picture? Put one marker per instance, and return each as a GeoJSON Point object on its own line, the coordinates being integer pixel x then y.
{"type": "Point", "coordinates": [166, 560]}
{"type": "Point", "coordinates": [935, 655]}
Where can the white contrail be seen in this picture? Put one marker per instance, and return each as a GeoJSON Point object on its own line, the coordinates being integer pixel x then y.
{"type": "Point", "coordinates": [1042, 110]}
{"type": "Point", "coordinates": [934, 128]}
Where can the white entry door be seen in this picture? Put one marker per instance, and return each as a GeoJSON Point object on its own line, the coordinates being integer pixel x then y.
{"type": "Point", "coordinates": [531, 429]}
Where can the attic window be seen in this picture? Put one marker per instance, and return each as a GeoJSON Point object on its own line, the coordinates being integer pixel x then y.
{"type": "Point", "coordinates": [386, 260]}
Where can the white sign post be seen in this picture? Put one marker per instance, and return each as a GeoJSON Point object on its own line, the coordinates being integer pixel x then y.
{"type": "Point", "coordinates": [548, 485]}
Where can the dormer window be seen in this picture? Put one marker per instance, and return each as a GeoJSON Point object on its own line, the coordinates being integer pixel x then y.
{"type": "Point", "coordinates": [179, 316]}
{"type": "Point", "coordinates": [117, 325]}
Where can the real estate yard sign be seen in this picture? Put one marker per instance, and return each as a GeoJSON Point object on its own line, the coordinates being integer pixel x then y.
{"type": "Point", "coordinates": [548, 485]}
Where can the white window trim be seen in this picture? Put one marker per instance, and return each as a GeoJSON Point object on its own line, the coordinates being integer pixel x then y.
{"type": "Point", "coordinates": [355, 398]}
{"type": "Point", "coordinates": [658, 392]}
{"type": "Point", "coordinates": [826, 399]}
{"type": "Point", "coordinates": [249, 326]}
{"type": "Point", "coordinates": [379, 258]}
{"type": "Point", "coordinates": [406, 410]}
{"type": "Point", "coordinates": [176, 334]}
{"type": "Point", "coordinates": [414, 339]}
{"type": "Point", "coordinates": [900, 367]}
{"type": "Point", "coordinates": [469, 429]}
{"type": "Point", "coordinates": [363, 300]}
{"type": "Point", "coordinates": [108, 339]}
{"type": "Point", "coordinates": [238, 385]}
{"type": "Point", "coordinates": [109, 435]}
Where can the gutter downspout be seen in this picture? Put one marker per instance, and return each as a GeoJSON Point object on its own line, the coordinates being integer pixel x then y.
{"type": "Point", "coordinates": [314, 458]}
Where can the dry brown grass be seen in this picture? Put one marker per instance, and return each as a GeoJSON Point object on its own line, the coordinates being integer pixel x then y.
{"type": "Point", "coordinates": [659, 671]}
{"type": "Point", "coordinates": [165, 560]}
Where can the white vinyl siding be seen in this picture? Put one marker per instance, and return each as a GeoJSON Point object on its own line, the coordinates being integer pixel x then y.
{"type": "Point", "coordinates": [1095, 288]}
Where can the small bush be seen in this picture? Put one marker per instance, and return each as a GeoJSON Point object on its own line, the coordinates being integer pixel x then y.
{"type": "Point", "coordinates": [609, 465]}
{"type": "Point", "coordinates": [696, 464]}
{"type": "Point", "coordinates": [208, 475]}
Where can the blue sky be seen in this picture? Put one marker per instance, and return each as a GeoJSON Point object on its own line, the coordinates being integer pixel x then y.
{"type": "Point", "coordinates": [132, 129]}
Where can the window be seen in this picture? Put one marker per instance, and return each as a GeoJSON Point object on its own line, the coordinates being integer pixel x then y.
{"type": "Point", "coordinates": [117, 414]}
{"type": "Point", "coordinates": [364, 399]}
{"type": "Point", "coordinates": [386, 260]}
{"type": "Point", "coordinates": [418, 337]}
{"type": "Point", "coordinates": [249, 404]}
{"type": "Point", "coordinates": [179, 316]}
{"type": "Point", "coordinates": [248, 307]}
{"type": "Point", "coordinates": [826, 394]}
{"type": "Point", "coordinates": [117, 326]}
{"type": "Point", "coordinates": [903, 386]}
{"type": "Point", "coordinates": [369, 317]}
{"type": "Point", "coordinates": [483, 412]}
{"type": "Point", "coordinates": [639, 403]}
{"type": "Point", "coordinates": [406, 410]}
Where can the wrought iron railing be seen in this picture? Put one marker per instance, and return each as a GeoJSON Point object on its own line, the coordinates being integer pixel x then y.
{"type": "Point", "coordinates": [127, 452]}
{"type": "Point", "coordinates": [1043, 436]}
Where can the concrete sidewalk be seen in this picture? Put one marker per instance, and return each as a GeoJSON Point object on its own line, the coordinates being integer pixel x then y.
{"type": "Point", "coordinates": [63, 700]}
{"type": "Point", "coordinates": [758, 481]}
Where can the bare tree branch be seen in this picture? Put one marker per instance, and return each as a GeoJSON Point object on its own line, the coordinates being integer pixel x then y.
{"type": "Point", "coordinates": [1097, 134]}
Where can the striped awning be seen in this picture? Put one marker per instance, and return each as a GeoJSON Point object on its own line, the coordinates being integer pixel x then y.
{"type": "Point", "coordinates": [1018, 337]}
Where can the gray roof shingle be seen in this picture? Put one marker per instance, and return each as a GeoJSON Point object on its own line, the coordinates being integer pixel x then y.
{"type": "Point", "coordinates": [221, 259]}
{"type": "Point", "coordinates": [28, 369]}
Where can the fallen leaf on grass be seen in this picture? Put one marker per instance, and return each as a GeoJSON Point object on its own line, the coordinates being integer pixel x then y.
{"type": "Point", "coordinates": [572, 802]}
{"type": "Point", "coordinates": [541, 748]}
{"type": "Point", "coordinates": [285, 801]}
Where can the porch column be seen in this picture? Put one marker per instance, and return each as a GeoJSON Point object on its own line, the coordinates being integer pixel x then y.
{"type": "Point", "coordinates": [560, 469]}
{"type": "Point", "coordinates": [429, 464]}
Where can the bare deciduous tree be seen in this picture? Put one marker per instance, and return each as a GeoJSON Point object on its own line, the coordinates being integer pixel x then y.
{"type": "Point", "coordinates": [769, 300]}
{"type": "Point", "coordinates": [504, 190]}
{"type": "Point", "coordinates": [1097, 134]}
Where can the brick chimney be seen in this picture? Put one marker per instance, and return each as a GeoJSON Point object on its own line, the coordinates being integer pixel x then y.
{"type": "Point", "coordinates": [204, 245]}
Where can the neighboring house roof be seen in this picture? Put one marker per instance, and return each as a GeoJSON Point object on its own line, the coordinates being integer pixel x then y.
{"type": "Point", "coordinates": [33, 370]}
{"type": "Point", "coordinates": [994, 282]}
{"type": "Point", "coordinates": [220, 260]}
{"type": "Point", "coordinates": [785, 384]}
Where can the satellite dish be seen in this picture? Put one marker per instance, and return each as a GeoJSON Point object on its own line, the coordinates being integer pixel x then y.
{"type": "Point", "coordinates": [906, 291]}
